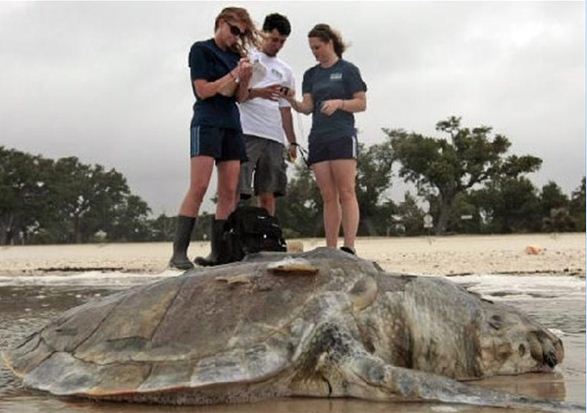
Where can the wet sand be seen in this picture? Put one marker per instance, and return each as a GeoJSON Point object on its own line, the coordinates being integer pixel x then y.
{"type": "Point", "coordinates": [450, 255]}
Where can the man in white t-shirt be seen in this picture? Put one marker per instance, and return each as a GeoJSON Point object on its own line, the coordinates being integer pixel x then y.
{"type": "Point", "coordinates": [266, 118]}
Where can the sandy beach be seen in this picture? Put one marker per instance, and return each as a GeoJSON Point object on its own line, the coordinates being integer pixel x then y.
{"type": "Point", "coordinates": [450, 255]}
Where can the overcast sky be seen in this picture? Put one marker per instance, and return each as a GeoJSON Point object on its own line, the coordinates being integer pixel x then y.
{"type": "Point", "coordinates": [109, 82]}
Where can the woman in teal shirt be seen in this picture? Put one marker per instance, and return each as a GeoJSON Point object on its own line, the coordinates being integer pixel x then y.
{"type": "Point", "coordinates": [332, 92]}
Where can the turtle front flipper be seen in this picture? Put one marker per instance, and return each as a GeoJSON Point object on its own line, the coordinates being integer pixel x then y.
{"type": "Point", "coordinates": [346, 369]}
{"type": "Point", "coordinates": [369, 377]}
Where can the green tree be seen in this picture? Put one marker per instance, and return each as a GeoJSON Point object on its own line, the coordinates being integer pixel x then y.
{"type": "Point", "coordinates": [87, 197]}
{"type": "Point", "coordinates": [23, 194]}
{"type": "Point", "coordinates": [559, 220]}
{"type": "Point", "coordinates": [409, 217]}
{"type": "Point", "coordinates": [129, 220]}
{"type": "Point", "coordinates": [555, 209]}
{"type": "Point", "coordinates": [463, 218]}
{"type": "Point", "coordinates": [373, 180]}
{"type": "Point", "coordinates": [552, 197]}
{"type": "Point", "coordinates": [162, 228]}
{"type": "Point", "coordinates": [447, 168]}
{"type": "Point", "coordinates": [300, 211]}
{"type": "Point", "coordinates": [509, 205]}
{"type": "Point", "coordinates": [577, 206]}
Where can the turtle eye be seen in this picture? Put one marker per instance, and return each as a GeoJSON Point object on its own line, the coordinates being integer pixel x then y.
{"type": "Point", "coordinates": [496, 322]}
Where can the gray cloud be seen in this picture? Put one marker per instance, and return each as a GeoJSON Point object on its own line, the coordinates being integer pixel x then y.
{"type": "Point", "coordinates": [108, 82]}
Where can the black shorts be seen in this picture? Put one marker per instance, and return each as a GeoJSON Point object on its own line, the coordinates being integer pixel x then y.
{"type": "Point", "coordinates": [340, 148]}
{"type": "Point", "coordinates": [222, 144]}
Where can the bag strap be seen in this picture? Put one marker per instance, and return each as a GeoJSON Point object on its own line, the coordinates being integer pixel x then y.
{"type": "Point", "coordinates": [303, 153]}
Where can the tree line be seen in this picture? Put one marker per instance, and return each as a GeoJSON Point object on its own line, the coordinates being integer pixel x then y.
{"type": "Point", "coordinates": [465, 180]}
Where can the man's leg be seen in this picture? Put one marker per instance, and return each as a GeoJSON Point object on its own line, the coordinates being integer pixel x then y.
{"type": "Point", "coordinates": [267, 201]}
{"type": "Point", "coordinates": [270, 175]}
{"type": "Point", "coordinates": [253, 149]}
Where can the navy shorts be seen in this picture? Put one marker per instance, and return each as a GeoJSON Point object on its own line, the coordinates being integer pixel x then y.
{"type": "Point", "coordinates": [340, 148]}
{"type": "Point", "coordinates": [222, 144]}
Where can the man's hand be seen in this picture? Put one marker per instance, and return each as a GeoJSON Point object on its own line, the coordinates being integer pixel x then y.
{"type": "Point", "coordinates": [268, 92]}
{"type": "Point", "coordinates": [292, 153]}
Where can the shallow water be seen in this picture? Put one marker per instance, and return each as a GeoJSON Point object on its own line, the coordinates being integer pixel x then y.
{"type": "Point", "coordinates": [27, 303]}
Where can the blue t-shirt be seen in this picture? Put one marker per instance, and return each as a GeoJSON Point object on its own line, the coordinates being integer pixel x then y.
{"type": "Point", "coordinates": [209, 62]}
{"type": "Point", "coordinates": [340, 81]}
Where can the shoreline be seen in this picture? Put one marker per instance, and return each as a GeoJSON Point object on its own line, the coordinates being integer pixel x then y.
{"type": "Point", "coordinates": [454, 255]}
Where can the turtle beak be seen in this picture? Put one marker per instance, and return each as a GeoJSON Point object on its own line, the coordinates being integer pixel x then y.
{"type": "Point", "coordinates": [546, 349]}
{"type": "Point", "coordinates": [551, 359]}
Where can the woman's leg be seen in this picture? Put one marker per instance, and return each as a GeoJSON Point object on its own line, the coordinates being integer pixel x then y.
{"type": "Point", "coordinates": [228, 175]}
{"type": "Point", "coordinates": [200, 172]}
{"type": "Point", "coordinates": [344, 172]}
{"type": "Point", "coordinates": [331, 207]}
{"type": "Point", "coordinates": [228, 179]}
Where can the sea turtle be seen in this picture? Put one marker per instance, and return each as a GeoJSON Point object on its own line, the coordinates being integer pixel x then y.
{"type": "Point", "coordinates": [322, 323]}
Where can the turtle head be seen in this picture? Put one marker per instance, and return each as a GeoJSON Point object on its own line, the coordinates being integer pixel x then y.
{"type": "Point", "coordinates": [510, 343]}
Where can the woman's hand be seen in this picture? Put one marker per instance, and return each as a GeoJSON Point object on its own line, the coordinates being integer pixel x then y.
{"type": "Point", "coordinates": [305, 106]}
{"type": "Point", "coordinates": [287, 94]}
{"type": "Point", "coordinates": [245, 70]}
{"type": "Point", "coordinates": [330, 106]}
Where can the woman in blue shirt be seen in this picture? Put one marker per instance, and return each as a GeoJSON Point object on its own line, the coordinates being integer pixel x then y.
{"type": "Point", "coordinates": [332, 91]}
{"type": "Point", "coordinates": [220, 74]}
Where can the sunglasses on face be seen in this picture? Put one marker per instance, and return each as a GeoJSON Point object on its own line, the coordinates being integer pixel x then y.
{"type": "Point", "coordinates": [235, 30]}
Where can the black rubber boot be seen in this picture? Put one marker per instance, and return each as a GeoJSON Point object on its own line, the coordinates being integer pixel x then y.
{"type": "Point", "coordinates": [349, 250]}
{"type": "Point", "coordinates": [216, 231]}
{"type": "Point", "coordinates": [183, 233]}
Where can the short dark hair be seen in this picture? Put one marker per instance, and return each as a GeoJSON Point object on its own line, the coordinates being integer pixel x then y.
{"type": "Point", "coordinates": [277, 21]}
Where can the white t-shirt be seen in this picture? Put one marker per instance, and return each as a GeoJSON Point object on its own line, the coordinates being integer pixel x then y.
{"type": "Point", "coordinates": [261, 117]}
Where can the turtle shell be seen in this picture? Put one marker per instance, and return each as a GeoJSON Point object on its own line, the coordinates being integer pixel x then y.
{"type": "Point", "coordinates": [237, 323]}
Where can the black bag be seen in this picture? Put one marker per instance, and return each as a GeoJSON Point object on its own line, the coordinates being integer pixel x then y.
{"type": "Point", "coordinates": [248, 230]}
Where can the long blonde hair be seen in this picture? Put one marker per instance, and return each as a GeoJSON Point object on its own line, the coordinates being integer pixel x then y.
{"type": "Point", "coordinates": [252, 36]}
